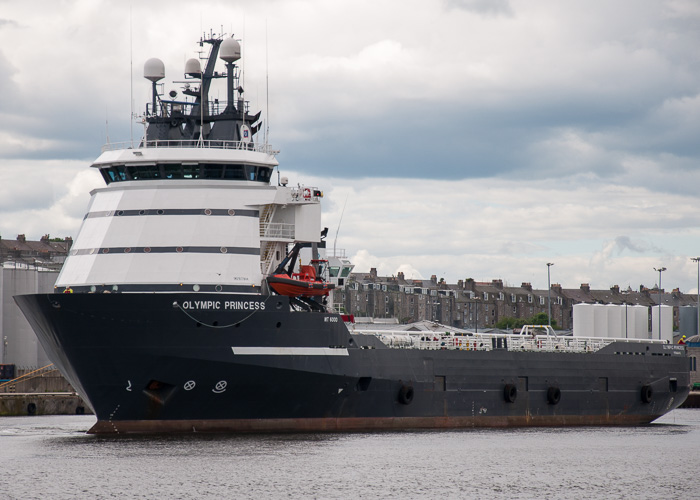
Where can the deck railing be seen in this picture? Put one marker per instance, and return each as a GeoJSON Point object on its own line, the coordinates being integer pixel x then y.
{"type": "Point", "coordinates": [488, 342]}
{"type": "Point", "coordinates": [276, 230]}
{"type": "Point", "coordinates": [189, 143]}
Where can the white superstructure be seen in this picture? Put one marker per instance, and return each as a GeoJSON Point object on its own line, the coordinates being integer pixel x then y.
{"type": "Point", "coordinates": [191, 207]}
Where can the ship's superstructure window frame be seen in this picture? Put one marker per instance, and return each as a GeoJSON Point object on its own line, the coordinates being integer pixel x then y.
{"type": "Point", "coordinates": [158, 171]}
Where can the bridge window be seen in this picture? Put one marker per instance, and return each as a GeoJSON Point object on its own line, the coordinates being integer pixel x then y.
{"type": "Point", "coordinates": [235, 172]}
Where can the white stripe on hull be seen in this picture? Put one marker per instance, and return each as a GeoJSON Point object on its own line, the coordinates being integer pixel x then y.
{"type": "Point", "coordinates": [288, 351]}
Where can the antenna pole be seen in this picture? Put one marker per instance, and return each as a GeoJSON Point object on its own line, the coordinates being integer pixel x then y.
{"type": "Point", "coordinates": [339, 222]}
{"type": "Point", "coordinates": [267, 94]}
{"type": "Point", "coordinates": [131, 78]}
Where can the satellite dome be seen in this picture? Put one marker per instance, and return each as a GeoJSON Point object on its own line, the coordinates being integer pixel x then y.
{"type": "Point", "coordinates": [193, 68]}
{"type": "Point", "coordinates": [230, 50]}
{"type": "Point", "coordinates": [154, 69]}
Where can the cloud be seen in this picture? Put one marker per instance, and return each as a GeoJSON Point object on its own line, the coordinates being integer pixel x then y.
{"type": "Point", "coordinates": [470, 138]}
{"type": "Point", "coordinates": [483, 7]}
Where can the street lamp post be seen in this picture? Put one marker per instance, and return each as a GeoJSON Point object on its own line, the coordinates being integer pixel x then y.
{"type": "Point", "coordinates": [660, 270]}
{"type": "Point", "coordinates": [697, 259]}
{"type": "Point", "coordinates": [549, 295]}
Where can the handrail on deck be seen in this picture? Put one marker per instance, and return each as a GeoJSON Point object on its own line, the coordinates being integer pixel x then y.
{"type": "Point", "coordinates": [400, 339]}
{"type": "Point", "coordinates": [190, 143]}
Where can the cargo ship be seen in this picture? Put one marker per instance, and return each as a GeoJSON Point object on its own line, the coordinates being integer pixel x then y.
{"type": "Point", "coordinates": [164, 318]}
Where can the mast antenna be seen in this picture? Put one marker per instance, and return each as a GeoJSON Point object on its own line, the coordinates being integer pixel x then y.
{"type": "Point", "coordinates": [267, 92]}
{"type": "Point", "coordinates": [339, 222]}
{"type": "Point", "coordinates": [131, 78]}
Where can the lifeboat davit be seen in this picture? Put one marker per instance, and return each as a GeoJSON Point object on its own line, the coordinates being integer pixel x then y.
{"type": "Point", "coordinates": [305, 283]}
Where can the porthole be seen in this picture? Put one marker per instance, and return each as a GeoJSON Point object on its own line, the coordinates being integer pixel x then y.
{"type": "Point", "coordinates": [207, 211]}
{"type": "Point", "coordinates": [279, 305]}
{"type": "Point", "coordinates": [278, 325]}
{"type": "Point", "coordinates": [142, 212]}
{"type": "Point", "coordinates": [115, 288]}
{"type": "Point", "coordinates": [224, 249]}
{"type": "Point", "coordinates": [218, 288]}
{"type": "Point", "coordinates": [127, 250]}
{"type": "Point", "coordinates": [105, 250]}
{"type": "Point", "coordinates": [178, 249]}
{"type": "Point", "coordinates": [232, 212]}
{"type": "Point", "coordinates": [160, 211]}
{"type": "Point", "coordinates": [120, 213]}
{"type": "Point", "coordinates": [93, 289]}
{"type": "Point", "coordinates": [147, 249]}
{"type": "Point", "coordinates": [195, 288]}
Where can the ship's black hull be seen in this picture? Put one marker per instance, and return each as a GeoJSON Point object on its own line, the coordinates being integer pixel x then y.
{"type": "Point", "coordinates": [209, 362]}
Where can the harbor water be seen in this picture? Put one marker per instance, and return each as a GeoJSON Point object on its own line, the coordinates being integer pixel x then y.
{"type": "Point", "coordinates": [52, 457]}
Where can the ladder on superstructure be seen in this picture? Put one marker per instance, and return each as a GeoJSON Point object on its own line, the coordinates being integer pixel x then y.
{"type": "Point", "coordinates": [268, 247]}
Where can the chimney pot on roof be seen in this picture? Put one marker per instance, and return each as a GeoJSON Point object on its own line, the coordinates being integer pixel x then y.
{"type": "Point", "coordinates": [373, 272]}
{"type": "Point", "coordinates": [400, 275]}
{"type": "Point", "coordinates": [526, 286]}
{"type": "Point", "coordinates": [433, 279]}
{"type": "Point", "coordinates": [585, 287]}
{"type": "Point", "coordinates": [497, 283]}
{"type": "Point", "coordinates": [21, 237]}
{"type": "Point", "coordinates": [615, 289]}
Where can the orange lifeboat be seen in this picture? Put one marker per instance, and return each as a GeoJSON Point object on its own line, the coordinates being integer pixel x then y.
{"type": "Point", "coordinates": [305, 283]}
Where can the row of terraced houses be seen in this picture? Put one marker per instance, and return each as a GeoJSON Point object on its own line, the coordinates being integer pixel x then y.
{"type": "Point", "coordinates": [472, 304]}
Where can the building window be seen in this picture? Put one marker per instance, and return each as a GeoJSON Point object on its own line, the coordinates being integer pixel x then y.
{"type": "Point", "coordinates": [486, 296]}
{"type": "Point", "coordinates": [529, 298]}
{"type": "Point", "coordinates": [542, 300]}
{"type": "Point", "coordinates": [512, 298]}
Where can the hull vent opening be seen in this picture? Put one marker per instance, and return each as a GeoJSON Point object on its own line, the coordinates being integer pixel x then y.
{"type": "Point", "coordinates": [363, 383]}
{"type": "Point", "coordinates": [159, 392]}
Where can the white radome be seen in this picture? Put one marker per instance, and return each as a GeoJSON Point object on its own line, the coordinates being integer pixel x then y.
{"type": "Point", "coordinates": [230, 50]}
{"type": "Point", "coordinates": [154, 69]}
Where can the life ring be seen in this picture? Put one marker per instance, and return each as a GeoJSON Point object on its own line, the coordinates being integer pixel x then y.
{"type": "Point", "coordinates": [647, 393]}
{"type": "Point", "coordinates": [553, 395]}
{"type": "Point", "coordinates": [406, 394]}
{"type": "Point", "coordinates": [307, 193]}
{"type": "Point", "coordinates": [510, 393]}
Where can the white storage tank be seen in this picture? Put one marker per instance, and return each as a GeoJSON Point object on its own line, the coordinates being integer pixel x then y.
{"type": "Point", "coordinates": [628, 326]}
{"type": "Point", "coordinates": [600, 320]}
{"type": "Point", "coordinates": [666, 323]}
{"type": "Point", "coordinates": [583, 320]}
{"type": "Point", "coordinates": [641, 315]}
{"type": "Point", "coordinates": [688, 319]}
{"type": "Point", "coordinates": [615, 324]}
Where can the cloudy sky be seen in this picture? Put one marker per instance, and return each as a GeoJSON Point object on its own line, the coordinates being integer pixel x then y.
{"type": "Point", "coordinates": [462, 138]}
